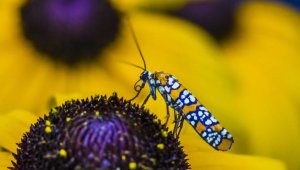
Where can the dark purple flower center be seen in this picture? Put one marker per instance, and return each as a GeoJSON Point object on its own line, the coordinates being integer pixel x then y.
{"type": "Point", "coordinates": [101, 140]}
{"type": "Point", "coordinates": [216, 16]}
{"type": "Point", "coordinates": [70, 30]}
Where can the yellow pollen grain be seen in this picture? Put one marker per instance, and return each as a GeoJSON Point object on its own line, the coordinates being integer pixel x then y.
{"type": "Point", "coordinates": [153, 160]}
{"type": "Point", "coordinates": [164, 133]}
{"type": "Point", "coordinates": [48, 123]}
{"type": "Point", "coordinates": [54, 110]}
{"type": "Point", "coordinates": [155, 121]}
{"type": "Point", "coordinates": [123, 157]}
{"type": "Point", "coordinates": [63, 153]}
{"type": "Point", "coordinates": [160, 146]}
{"type": "Point", "coordinates": [68, 119]}
{"type": "Point", "coordinates": [48, 129]}
{"type": "Point", "coordinates": [132, 165]}
{"type": "Point", "coordinates": [97, 113]}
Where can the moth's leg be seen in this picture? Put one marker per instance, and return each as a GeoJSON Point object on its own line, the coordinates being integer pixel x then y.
{"type": "Point", "coordinates": [176, 123]}
{"type": "Point", "coordinates": [180, 124]}
{"type": "Point", "coordinates": [167, 105]}
{"type": "Point", "coordinates": [168, 115]}
{"type": "Point", "coordinates": [138, 90]}
{"type": "Point", "coordinates": [146, 99]}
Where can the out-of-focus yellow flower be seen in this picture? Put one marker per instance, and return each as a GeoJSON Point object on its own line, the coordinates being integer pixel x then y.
{"type": "Point", "coordinates": [264, 54]}
{"type": "Point", "coordinates": [198, 159]}
{"type": "Point", "coordinates": [169, 45]}
{"type": "Point", "coordinates": [27, 76]}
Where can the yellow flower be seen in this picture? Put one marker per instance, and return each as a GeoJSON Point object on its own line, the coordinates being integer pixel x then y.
{"type": "Point", "coordinates": [15, 126]}
{"type": "Point", "coordinates": [29, 79]}
{"type": "Point", "coordinates": [264, 54]}
{"type": "Point", "coordinates": [27, 73]}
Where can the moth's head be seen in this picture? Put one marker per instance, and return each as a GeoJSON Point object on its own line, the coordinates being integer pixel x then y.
{"type": "Point", "coordinates": [145, 75]}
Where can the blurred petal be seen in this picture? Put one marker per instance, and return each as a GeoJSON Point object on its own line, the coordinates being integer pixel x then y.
{"type": "Point", "coordinates": [5, 160]}
{"type": "Point", "coordinates": [265, 56]}
{"type": "Point", "coordinates": [12, 126]}
{"type": "Point", "coordinates": [148, 4]}
{"type": "Point", "coordinates": [224, 161]}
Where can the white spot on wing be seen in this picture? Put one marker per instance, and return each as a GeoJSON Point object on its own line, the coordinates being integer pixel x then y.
{"type": "Point", "coordinates": [192, 98]}
{"type": "Point", "coordinates": [224, 131]}
{"type": "Point", "coordinates": [175, 85]}
{"type": "Point", "coordinates": [202, 108]}
{"type": "Point", "coordinates": [167, 89]}
{"type": "Point", "coordinates": [170, 82]}
{"type": "Point", "coordinates": [161, 89]}
{"type": "Point", "coordinates": [208, 122]}
{"type": "Point", "coordinates": [169, 98]}
{"type": "Point", "coordinates": [213, 119]}
{"type": "Point", "coordinates": [152, 81]}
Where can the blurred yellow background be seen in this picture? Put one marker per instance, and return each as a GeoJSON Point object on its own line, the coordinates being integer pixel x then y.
{"type": "Point", "coordinates": [241, 60]}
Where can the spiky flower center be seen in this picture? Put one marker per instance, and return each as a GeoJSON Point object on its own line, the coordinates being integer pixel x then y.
{"type": "Point", "coordinates": [99, 133]}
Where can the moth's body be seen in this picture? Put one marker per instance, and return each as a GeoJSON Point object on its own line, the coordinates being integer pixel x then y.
{"type": "Point", "coordinates": [186, 105]}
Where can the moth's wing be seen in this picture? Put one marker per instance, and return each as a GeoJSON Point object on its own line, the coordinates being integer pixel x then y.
{"type": "Point", "coordinates": [209, 128]}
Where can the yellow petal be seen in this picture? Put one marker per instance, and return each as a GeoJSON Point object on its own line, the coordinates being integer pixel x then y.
{"type": "Point", "coordinates": [12, 127]}
{"type": "Point", "coordinates": [129, 5]}
{"type": "Point", "coordinates": [5, 160]}
{"type": "Point", "coordinates": [224, 161]}
{"type": "Point", "coordinates": [265, 57]}
{"type": "Point", "coordinates": [271, 42]}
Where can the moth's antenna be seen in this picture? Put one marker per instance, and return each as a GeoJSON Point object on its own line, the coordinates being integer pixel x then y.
{"type": "Point", "coordinates": [136, 43]}
{"type": "Point", "coordinates": [134, 65]}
